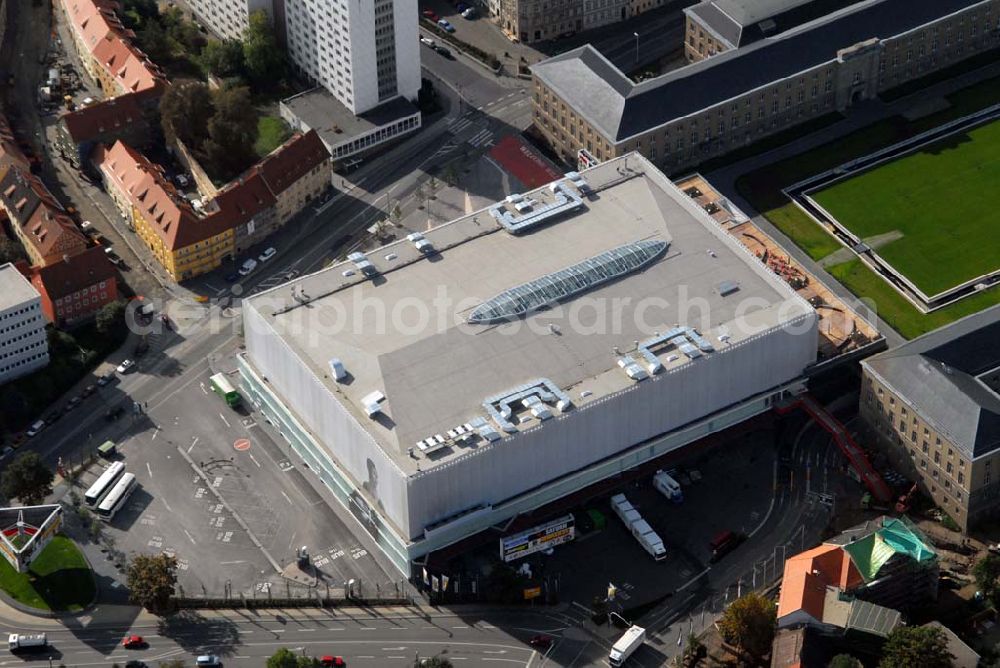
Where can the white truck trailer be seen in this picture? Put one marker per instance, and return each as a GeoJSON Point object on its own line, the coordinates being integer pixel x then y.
{"type": "Point", "coordinates": [627, 645]}
{"type": "Point", "coordinates": [19, 642]}
{"type": "Point", "coordinates": [621, 506]}
{"type": "Point", "coordinates": [667, 486]}
{"type": "Point", "coordinates": [649, 539]}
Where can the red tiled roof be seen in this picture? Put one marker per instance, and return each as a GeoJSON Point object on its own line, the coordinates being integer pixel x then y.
{"type": "Point", "coordinates": [808, 574]}
{"type": "Point", "coordinates": [143, 183]}
{"type": "Point", "coordinates": [243, 199]}
{"type": "Point", "coordinates": [89, 122]}
{"type": "Point", "coordinates": [21, 192]}
{"type": "Point", "coordinates": [53, 233]}
{"type": "Point", "coordinates": [111, 44]}
{"type": "Point", "coordinates": [292, 160]}
{"type": "Point", "coordinates": [75, 272]}
{"type": "Point", "coordinates": [10, 152]}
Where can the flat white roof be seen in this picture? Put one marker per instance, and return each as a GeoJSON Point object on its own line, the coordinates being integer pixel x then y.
{"type": "Point", "coordinates": [405, 333]}
{"type": "Point", "coordinates": [15, 289]}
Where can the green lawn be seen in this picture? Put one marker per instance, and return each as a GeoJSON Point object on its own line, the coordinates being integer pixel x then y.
{"type": "Point", "coordinates": [762, 189]}
{"type": "Point", "coordinates": [58, 579]}
{"type": "Point", "coordinates": [896, 310]}
{"type": "Point", "coordinates": [271, 133]}
{"type": "Point", "coordinates": [940, 198]}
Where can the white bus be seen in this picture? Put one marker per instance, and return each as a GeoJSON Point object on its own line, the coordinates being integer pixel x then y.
{"type": "Point", "coordinates": [104, 484]}
{"type": "Point", "coordinates": [117, 497]}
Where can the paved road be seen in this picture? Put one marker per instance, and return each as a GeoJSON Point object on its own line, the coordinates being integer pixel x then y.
{"type": "Point", "coordinates": [393, 637]}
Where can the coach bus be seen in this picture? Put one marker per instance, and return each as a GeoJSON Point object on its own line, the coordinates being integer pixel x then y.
{"type": "Point", "coordinates": [117, 497]}
{"type": "Point", "coordinates": [104, 484]}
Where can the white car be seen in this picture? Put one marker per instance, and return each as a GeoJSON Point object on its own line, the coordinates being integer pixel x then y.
{"type": "Point", "coordinates": [125, 367]}
{"type": "Point", "coordinates": [35, 428]}
{"type": "Point", "coordinates": [267, 254]}
{"type": "Point", "coordinates": [427, 41]}
{"type": "Point", "coordinates": [248, 267]}
{"type": "Point", "coordinates": [469, 13]}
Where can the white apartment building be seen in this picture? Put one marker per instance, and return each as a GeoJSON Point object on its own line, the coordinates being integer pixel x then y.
{"type": "Point", "coordinates": [24, 346]}
{"type": "Point", "coordinates": [228, 18]}
{"type": "Point", "coordinates": [365, 52]}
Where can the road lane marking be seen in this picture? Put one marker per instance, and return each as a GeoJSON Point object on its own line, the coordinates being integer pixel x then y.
{"type": "Point", "coordinates": [284, 495]}
{"type": "Point", "coordinates": [367, 628]}
{"type": "Point", "coordinates": [192, 444]}
{"type": "Point", "coordinates": [254, 460]}
{"type": "Point", "coordinates": [155, 432]}
{"type": "Point", "coordinates": [148, 468]}
{"type": "Point", "coordinates": [190, 538]}
{"type": "Point", "coordinates": [224, 419]}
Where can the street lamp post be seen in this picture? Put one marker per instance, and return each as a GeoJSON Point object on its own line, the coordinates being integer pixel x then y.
{"type": "Point", "coordinates": [636, 47]}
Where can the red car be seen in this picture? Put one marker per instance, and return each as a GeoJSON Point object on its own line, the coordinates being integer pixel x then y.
{"type": "Point", "coordinates": [131, 642]}
{"type": "Point", "coordinates": [332, 661]}
{"type": "Point", "coordinates": [541, 642]}
{"type": "Point", "coordinates": [429, 13]}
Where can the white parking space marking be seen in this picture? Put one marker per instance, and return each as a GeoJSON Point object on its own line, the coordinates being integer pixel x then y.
{"type": "Point", "coordinates": [224, 419]}
{"type": "Point", "coordinates": [285, 495]}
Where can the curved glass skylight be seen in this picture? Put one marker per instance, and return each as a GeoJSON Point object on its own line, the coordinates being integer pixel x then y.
{"type": "Point", "coordinates": [567, 282]}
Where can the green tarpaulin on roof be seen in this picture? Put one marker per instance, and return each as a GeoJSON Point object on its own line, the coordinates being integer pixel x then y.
{"type": "Point", "coordinates": [870, 553]}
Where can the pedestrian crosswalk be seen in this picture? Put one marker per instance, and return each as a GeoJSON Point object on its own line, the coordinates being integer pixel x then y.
{"type": "Point", "coordinates": [447, 148]}
{"type": "Point", "coordinates": [456, 125]}
{"type": "Point", "coordinates": [275, 280]}
{"type": "Point", "coordinates": [482, 138]}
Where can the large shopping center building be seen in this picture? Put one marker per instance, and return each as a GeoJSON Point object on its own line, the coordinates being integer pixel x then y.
{"type": "Point", "coordinates": [457, 378]}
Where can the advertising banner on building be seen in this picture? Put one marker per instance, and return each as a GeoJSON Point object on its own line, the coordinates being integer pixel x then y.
{"type": "Point", "coordinates": [537, 539]}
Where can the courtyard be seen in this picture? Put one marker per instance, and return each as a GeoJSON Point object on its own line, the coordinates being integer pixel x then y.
{"type": "Point", "coordinates": [928, 213]}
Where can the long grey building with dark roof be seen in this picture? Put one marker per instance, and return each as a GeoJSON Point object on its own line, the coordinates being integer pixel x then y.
{"type": "Point", "coordinates": [714, 26]}
{"type": "Point", "coordinates": [582, 101]}
{"type": "Point", "coordinates": [934, 404]}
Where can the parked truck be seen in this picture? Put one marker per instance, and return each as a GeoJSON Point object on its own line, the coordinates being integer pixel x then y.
{"type": "Point", "coordinates": [627, 645]}
{"type": "Point", "coordinates": [620, 505]}
{"type": "Point", "coordinates": [668, 487]}
{"type": "Point", "coordinates": [649, 539]}
{"type": "Point", "coordinates": [222, 387]}
{"type": "Point", "coordinates": [19, 642]}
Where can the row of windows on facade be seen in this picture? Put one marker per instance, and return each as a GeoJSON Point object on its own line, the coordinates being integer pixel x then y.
{"type": "Point", "coordinates": [699, 141]}
{"type": "Point", "coordinates": [23, 362]}
{"type": "Point", "coordinates": [935, 471]}
{"type": "Point", "coordinates": [18, 325]}
{"type": "Point", "coordinates": [80, 293]}
{"type": "Point", "coordinates": [377, 137]}
{"type": "Point", "coordinates": [82, 304]}
{"type": "Point", "coordinates": [23, 349]}
{"type": "Point", "coordinates": [19, 311]}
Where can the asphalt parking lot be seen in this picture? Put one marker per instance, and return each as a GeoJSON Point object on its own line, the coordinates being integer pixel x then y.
{"type": "Point", "coordinates": [218, 492]}
{"type": "Point", "coordinates": [734, 493]}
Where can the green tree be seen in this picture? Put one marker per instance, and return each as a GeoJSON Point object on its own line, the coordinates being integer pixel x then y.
{"type": "Point", "coordinates": [10, 250]}
{"type": "Point", "coordinates": [844, 661]}
{"type": "Point", "coordinates": [223, 59]}
{"type": "Point", "coordinates": [28, 479]}
{"type": "Point", "coordinates": [749, 624]}
{"type": "Point", "coordinates": [283, 658]}
{"type": "Point", "coordinates": [264, 59]}
{"type": "Point", "coordinates": [185, 36]}
{"type": "Point", "coordinates": [151, 580]}
{"type": "Point", "coordinates": [924, 646]}
{"type": "Point", "coordinates": [111, 316]}
{"type": "Point", "coordinates": [232, 132]}
{"type": "Point", "coordinates": [136, 13]}
{"type": "Point", "coordinates": [153, 40]}
{"type": "Point", "coordinates": [987, 573]}
{"type": "Point", "coordinates": [185, 110]}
